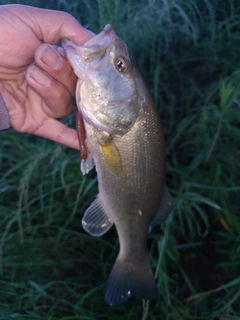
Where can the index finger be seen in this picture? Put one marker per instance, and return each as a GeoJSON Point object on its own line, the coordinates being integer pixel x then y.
{"type": "Point", "coordinates": [57, 131]}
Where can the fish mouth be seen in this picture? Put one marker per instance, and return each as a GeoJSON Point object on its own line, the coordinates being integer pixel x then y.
{"type": "Point", "coordinates": [69, 47]}
{"type": "Point", "coordinates": [101, 39]}
{"type": "Point", "coordinates": [108, 28]}
{"type": "Point", "coordinates": [97, 46]}
{"type": "Point", "coordinates": [94, 48]}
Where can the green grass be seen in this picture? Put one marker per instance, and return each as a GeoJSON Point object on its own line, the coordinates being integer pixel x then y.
{"type": "Point", "coordinates": [189, 53]}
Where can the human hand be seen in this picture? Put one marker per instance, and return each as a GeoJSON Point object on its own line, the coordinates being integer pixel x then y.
{"type": "Point", "coordinates": [36, 81]}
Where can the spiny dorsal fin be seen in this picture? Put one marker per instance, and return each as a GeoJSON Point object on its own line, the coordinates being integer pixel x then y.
{"type": "Point", "coordinates": [95, 220]}
{"type": "Point", "coordinates": [165, 208]}
{"type": "Point", "coordinates": [112, 157]}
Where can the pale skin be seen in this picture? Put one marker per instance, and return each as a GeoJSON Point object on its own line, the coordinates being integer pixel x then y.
{"type": "Point", "coordinates": [36, 81]}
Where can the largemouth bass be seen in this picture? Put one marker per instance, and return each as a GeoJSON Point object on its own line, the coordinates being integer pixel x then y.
{"type": "Point", "coordinates": [125, 142]}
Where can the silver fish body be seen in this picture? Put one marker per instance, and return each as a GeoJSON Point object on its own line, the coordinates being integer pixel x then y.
{"type": "Point", "coordinates": [126, 144]}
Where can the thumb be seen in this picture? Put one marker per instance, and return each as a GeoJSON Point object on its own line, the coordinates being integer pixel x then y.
{"type": "Point", "coordinates": [51, 26]}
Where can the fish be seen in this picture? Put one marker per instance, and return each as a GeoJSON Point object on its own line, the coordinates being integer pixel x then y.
{"type": "Point", "coordinates": [125, 143]}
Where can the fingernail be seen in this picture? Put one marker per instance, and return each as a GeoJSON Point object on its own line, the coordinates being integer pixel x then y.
{"type": "Point", "coordinates": [40, 76]}
{"type": "Point", "coordinates": [51, 58]}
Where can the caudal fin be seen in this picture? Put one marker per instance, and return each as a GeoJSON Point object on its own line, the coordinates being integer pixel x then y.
{"type": "Point", "coordinates": [129, 279]}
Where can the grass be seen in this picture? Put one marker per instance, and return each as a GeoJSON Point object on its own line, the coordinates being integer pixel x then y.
{"type": "Point", "coordinates": [189, 54]}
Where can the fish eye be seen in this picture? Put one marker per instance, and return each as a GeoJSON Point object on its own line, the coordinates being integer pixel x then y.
{"type": "Point", "coordinates": [121, 64]}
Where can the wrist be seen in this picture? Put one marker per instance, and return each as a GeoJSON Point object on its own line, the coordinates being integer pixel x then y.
{"type": "Point", "coordinates": [4, 116]}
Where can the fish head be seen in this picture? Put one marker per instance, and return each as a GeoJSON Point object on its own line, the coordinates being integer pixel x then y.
{"type": "Point", "coordinates": [108, 91]}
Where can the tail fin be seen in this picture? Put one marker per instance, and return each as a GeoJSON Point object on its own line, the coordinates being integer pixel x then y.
{"type": "Point", "coordinates": [129, 279]}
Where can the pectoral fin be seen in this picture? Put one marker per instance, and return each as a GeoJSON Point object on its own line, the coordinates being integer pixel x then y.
{"type": "Point", "coordinates": [112, 157]}
{"type": "Point", "coordinates": [165, 208]}
{"type": "Point", "coordinates": [95, 220]}
{"type": "Point", "coordinates": [87, 164]}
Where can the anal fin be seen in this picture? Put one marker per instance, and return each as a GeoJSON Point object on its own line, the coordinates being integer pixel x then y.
{"type": "Point", "coordinates": [95, 220]}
